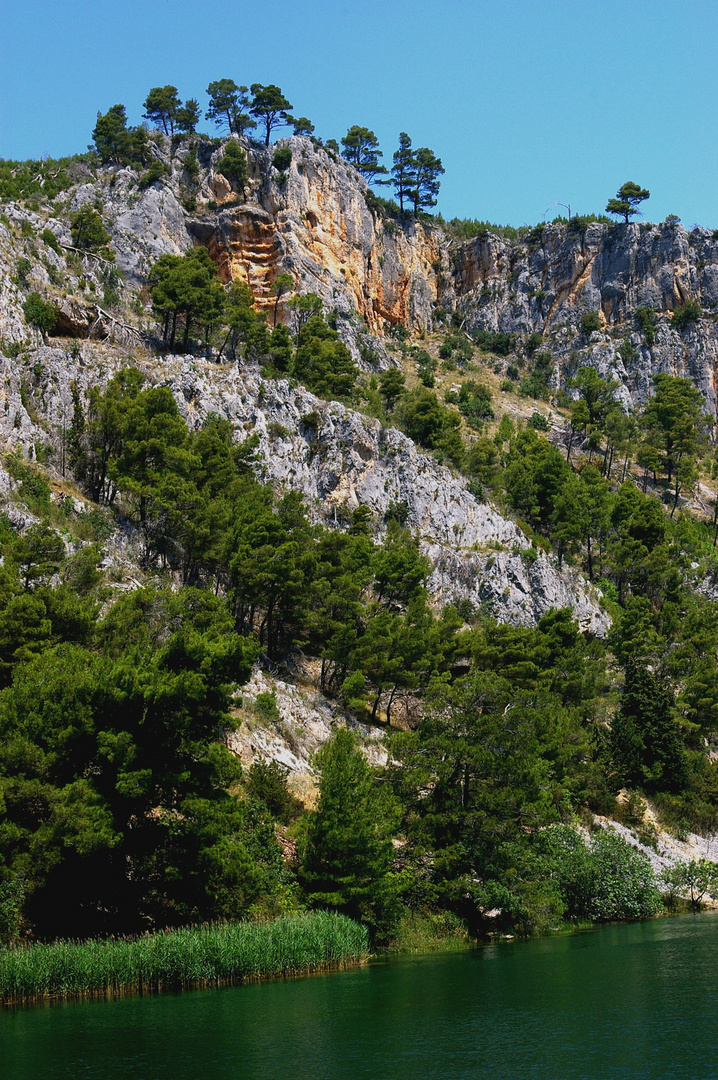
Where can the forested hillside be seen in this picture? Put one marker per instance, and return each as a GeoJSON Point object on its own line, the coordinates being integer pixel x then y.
{"type": "Point", "coordinates": [453, 484]}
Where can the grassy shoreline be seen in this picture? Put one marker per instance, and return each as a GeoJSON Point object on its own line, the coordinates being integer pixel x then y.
{"type": "Point", "coordinates": [182, 959]}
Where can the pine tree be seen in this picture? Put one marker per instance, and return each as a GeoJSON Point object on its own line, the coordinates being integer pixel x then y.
{"type": "Point", "coordinates": [426, 183]}
{"type": "Point", "coordinates": [161, 107]}
{"type": "Point", "coordinates": [270, 107]}
{"type": "Point", "coordinates": [626, 200]}
{"type": "Point", "coordinates": [347, 850]}
{"type": "Point", "coordinates": [361, 148]}
{"type": "Point", "coordinates": [645, 741]}
{"type": "Point", "coordinates": [404, 171]}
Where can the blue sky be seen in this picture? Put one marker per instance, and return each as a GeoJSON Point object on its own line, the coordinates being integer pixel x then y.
{"type": "Point", "coordinates": [526, 101]}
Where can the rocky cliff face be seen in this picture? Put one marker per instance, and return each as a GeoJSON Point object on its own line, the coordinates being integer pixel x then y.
{"type": "Point", "coordinates": [335, 457]}
{"type": "Point", "coordinates": [549, 281]}
{"type": "Point", "coordinates": [319, 223]}
{"type": "Point", "coordinates": [316, 223]}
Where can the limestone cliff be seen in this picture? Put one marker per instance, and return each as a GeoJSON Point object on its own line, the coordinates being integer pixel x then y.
{"type": "Point", "coordinates": [320, 223]}
{"type": "Point", "coordinates": [335, 457]}
{"type": "Point", "coordinates": [548, 281]}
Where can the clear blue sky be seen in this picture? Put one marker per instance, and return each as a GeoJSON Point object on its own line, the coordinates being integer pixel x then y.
{"type": "Point", "coordinates": [525, 101]}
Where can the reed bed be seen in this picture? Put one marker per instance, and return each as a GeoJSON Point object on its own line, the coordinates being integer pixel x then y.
{"type": "Point", "coordinates": [182, 959]}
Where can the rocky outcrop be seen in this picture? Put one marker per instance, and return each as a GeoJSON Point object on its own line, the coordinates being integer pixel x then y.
{"type": "Point", "coordinates": [548, 281]}
{"type": "Point", "coordinates": [320, 223]}
{"type": "Point", "coordinates": [336, 458]}
{"type": "Point", "coordinates": [305, 720]}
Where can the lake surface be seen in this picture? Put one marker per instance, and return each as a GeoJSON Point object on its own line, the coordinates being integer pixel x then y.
{"type": "Point", "coordinates": [638, 1001]}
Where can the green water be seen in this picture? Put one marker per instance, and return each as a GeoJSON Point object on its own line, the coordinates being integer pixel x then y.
{"type": "Point", "coordinates": [636, 1001]}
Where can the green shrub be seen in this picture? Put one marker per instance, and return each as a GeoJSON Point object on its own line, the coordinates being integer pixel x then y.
{"type": "Point", "coordinates": [475, 403]}
{"type": "Point", "coordinates": [265, 706]}
{"type": "Point", "coordinates": [533, 342]}
{"type": "Point", "coordinates": [590, 322]}
{"type": "Point", "coordinates": [494, 341]}
{"type": "Point", "coordinates": [282, 159]}
{"type": "Point", "coordinates": [538, 421]}
{"type": "Point", "coordinates": [266, 781]}
{"type": "Point", "coordinates": [157, 171]}
{"type": "Point", "coordinates": [51, 240]}
{"type": "Point", "coordinates": [40, 314]}
{"type": "Point", "coordinates": [646, 319]}
{"type": "Point", "coordinates": [687, 313]}
{"type": "Point", "coordinates": [22, 269]}
{"type": "Point", "coordinates": [88, 232]}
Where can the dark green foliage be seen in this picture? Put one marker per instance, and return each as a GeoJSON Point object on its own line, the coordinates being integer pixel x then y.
{"type": "Point", "coordinates": [88, 232]}
{"type": "Point", "coordinates": [645, 742]}
{"type": "Point", "coordinates": [479, 763]}
{"type": "Point", "coordinates": [22, 270]}
{"type": "Point", "coordinates": [51, 240]}
{"type": "Point", "coordinates": [162, 106]}
{"type": "Point", "coordinates": [415, 175]}
{"type": "Point", "coordinates": [156, 171]}
{"type": "Point", "coordinates": [533, 342]}
{"type": "Point", "coordinates": [12, 895]}
{"type": "Point", "coordinates": [323, 362]}
{"type": "Point", "coordinates": [626, 200]}
{"type": "Point", "coordinates": [187, 116]}
{"type": "Point", "coordinates": [360, 146]}
{"type": "Point", "coordinates": [391, 387]}
{"type": "Point", "coordinates": [534, 476]}
{"type": "Point", "coordinates": [469, 229]}
{"type": "Point", "coordinates": [229, 104]}
{"type": "Point", "coordinates": [688, 312]}
{"type": "Point", "coordinates": [266, 781]}
{"type": "Point", "coordinates": [347, 852]}
{"type": "Point", "coordinates": [186, 286]}
{"type": "Point", "coordinates": [538, 422]}
{"type": "Point", "coordinates": [675, 431]}
{"type": "Point", "coordinates": [646, 319]}
{"type": "Point", "coordinates": [403, 171]}
{"type": "Point", "coordinates": [233, 165]}
{"type": "Point", "coordinates": [579, 223]}
{"type": "Point", "coordinates": [282, 159]}
{"type": "Point", "coordinates": [431, 424]}
{"type": "Point", "coordinates": [39, 313]}
{"type": "Point", "coordinates": [495, 341]}
{"type": "Point", "coordinates": [536, 383]}
{"type": "Point", "coordinates": [270, 108]}
{"type": "Point", "coordinates": [427, 168]}
{"type": "Point", "coordinates": [302, 125]}
{"type": "Point", "coordinates": [44, 179]}
{"type": "Point", "coordinates": [590, 322]}
{"type": "Point", "coordinates": [102, 752]}
{"type": "Point", "coordinates": [115, 143]}
{"type": "Point", "coordinates": [425, 367]}
{"type": "Point", "coordinates": [280, 351]}
{"type": "Point", "coordinates": [475, 403]}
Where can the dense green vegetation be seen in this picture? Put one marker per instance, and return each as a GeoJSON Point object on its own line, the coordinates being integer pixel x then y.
{"type": "Point", "coordinates": [122, 811]}
{"type": "Point", "coordinates": [181, 959]}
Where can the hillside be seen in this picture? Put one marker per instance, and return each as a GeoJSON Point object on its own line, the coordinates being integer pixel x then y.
{"type": "Point", "coordinates": [280, 461]}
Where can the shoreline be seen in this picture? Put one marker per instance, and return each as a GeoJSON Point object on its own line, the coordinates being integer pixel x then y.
{"type": "Point", "coordinates": [188, 958]}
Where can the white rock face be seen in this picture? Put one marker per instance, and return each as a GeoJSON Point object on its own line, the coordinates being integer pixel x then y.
{"type": "Point", "coordinates": [669, 850]}
{"type": "Point", "coordinates": [337, 459]}
{"type": "Point", "coordinates": [307, 721]}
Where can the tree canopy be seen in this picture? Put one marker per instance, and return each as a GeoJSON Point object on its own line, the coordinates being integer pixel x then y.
{"type": "Point", "coordinates": [626, 200]}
